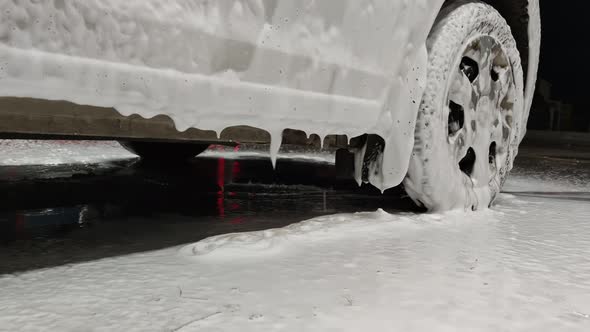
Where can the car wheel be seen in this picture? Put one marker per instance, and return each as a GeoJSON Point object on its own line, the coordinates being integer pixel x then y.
{"type": "Point", "coordinates": [164, 152]}
{"type": "Point", "coordinates": [472, 112]}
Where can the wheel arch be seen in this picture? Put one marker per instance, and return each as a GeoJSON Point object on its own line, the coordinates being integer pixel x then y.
{"type": "Point", "coordinates": [516, 13]}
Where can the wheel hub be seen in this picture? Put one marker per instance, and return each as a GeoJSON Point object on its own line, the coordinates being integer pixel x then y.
{"type": "Point", "coordinates": [480, 103]}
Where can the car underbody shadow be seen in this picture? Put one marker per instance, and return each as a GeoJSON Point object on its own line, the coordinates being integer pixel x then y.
{"type": "Point", "coordinates": [56, 215]}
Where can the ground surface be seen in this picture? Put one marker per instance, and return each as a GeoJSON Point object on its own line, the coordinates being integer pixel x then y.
{"type": "Point", "coordinates": [94, 242]}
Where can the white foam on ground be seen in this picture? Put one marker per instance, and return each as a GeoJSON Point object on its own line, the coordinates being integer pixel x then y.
{"type": "Point", "coordinates": [522, 266]}
{"type": "Point", "coordinates": [547, 180]}
{"type": "Point", "coordinates": [328, 228]}
{"type": "Point", "coordinates": [34, 152]}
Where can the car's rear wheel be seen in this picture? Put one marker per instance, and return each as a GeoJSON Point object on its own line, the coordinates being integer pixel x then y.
{"type": "Point", "coordinates": [159, 152]}
{"type": "Point", "coordinates": [467, 132]}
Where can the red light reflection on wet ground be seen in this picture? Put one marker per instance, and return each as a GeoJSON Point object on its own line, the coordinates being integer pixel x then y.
{"type": "Point", "coordinates": [222, 179]}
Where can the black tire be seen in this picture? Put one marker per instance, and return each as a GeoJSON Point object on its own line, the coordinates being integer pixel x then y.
{"type": "Point", "coordinates": [158, 152]}
{"type": "Point", "coordinates": [472, 112]}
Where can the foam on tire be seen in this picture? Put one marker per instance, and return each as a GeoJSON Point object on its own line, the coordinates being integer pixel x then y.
{"type": "Point", "coordinates": [434, 179]}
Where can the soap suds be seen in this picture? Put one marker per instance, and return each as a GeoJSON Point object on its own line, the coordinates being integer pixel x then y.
{"type": "Point", "coordinates": [344, 67]}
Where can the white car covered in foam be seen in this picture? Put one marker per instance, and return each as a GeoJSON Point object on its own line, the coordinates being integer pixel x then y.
{"type": "Point", "coordinates": [431, 93]}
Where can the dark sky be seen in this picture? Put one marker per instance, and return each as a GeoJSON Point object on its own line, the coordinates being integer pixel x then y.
{"type": "Point", "coordinates": [564, 51]}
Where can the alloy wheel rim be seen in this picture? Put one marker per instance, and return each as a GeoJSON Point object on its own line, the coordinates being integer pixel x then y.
{"type": "Point", "coordinates": [480, 110]}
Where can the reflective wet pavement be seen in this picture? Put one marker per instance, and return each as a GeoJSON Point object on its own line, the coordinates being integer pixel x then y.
{"type": "Point", "coordinates": [52, 215]}
{"type": "Point", "coordinates": [58, 214]}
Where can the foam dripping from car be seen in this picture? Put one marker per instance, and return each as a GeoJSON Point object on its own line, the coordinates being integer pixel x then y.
{"type": "Point", "coordinates": [276, 139]}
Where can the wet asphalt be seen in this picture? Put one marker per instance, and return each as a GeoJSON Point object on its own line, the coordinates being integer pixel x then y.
{"type": "Point", "coordinates": [52, 215]}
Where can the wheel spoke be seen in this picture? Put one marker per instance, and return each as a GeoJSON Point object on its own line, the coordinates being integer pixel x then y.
{"type": "Point", "coordinates": [462, 144]}
{"type": "Point", "coordinates": [506, 125]}
{"type": "Point", "coordinates": [482, 172]}
{"type": "Point", "coordinates": [506, 101]}
{"type": "Point", "coordinates": [502, 88]}
{"type": "Point", "coordinates": [484, 82]}
{"type": "Point", "coordinates": [461, 90]}
{"type": "Point", "coordinates": [497, 128]}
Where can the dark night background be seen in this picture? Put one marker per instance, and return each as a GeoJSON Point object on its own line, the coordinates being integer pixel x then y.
{"type": "Point", "coordinates": [564, 64]}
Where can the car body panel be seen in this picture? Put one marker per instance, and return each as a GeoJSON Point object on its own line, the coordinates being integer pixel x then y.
{"type": "Point", "coordinates": [346, 67]}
